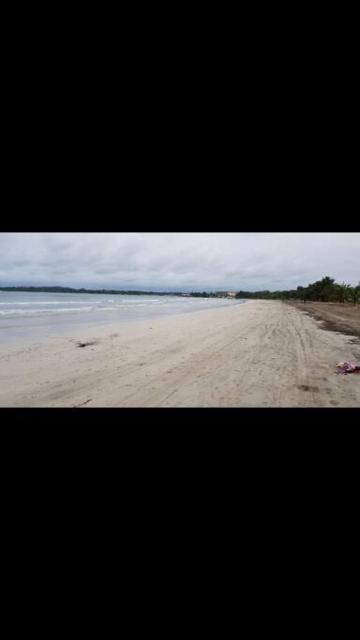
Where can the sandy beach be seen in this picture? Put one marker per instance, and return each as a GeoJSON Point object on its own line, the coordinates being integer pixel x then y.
{"type": "Point", "coordinates": [258, 354]}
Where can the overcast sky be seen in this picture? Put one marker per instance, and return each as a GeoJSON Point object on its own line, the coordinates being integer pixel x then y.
{"type": "Point", "coordinates": [178, 261]}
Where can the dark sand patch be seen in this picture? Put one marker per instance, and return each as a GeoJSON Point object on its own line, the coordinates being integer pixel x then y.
{"type": "Point", "coordinates": [81, 345]}
{"type": "Point", "coordinates": [306, 387]}
{"type": "Point", "coordinates": [343, 318]}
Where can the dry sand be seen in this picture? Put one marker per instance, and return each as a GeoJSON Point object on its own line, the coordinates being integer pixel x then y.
{"type": "Point", "coordinates": [258, 354]}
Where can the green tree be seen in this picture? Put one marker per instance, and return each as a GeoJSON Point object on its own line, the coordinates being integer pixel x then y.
{"type": "Point", "coordinates": [354, 293]}
{"type": "Point", "coordinates": [343, 292]}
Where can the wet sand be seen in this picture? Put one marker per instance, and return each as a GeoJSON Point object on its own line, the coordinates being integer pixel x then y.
{"type": "Point", "coordinates": [259, 354]}
{"type": "Point", "coordinates": [344, 318]}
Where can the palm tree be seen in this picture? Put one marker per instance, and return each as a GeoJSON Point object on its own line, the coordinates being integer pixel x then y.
{"type": "Point", "coordinates": [343, 291]}
{"type": "Point", "coordinates": [355, 293]}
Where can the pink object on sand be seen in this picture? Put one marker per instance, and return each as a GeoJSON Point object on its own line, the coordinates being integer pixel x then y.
{"type": "Point", "coordinates": [347, 367]}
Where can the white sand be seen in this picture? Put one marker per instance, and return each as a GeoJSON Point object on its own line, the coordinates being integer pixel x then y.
{"type": "Point", "coordinates": [259, 354]}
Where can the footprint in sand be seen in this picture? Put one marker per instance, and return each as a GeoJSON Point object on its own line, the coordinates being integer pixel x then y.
{"type": "Point", "coordinates": [306, 387]}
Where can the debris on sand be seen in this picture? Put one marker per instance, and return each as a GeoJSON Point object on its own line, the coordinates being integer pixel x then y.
{"type": "Point", "coordinates": [347, 367]}
{"type": "Point", "coordinates": [83, 403]}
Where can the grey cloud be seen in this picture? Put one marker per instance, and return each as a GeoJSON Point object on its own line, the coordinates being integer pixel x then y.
{"type": "Point", "coordinates": [178, 260]}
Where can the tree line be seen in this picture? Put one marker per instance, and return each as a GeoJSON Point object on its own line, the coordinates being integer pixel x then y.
{"type": "Point", "coordinates": [96, 291]}
{"type": "Point", "coordinates": [325, 290]}
{"type": "Point", "coordinates": [203, 294]}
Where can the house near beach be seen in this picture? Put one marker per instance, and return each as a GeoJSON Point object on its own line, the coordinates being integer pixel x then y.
{"type": "Point", "coordinates": [225, 294]}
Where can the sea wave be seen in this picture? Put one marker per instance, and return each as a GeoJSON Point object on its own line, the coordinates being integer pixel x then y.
{"type": "Point", "coordinates": [45, 302]}
{"type": "Point", "coordinates": [38, 312]}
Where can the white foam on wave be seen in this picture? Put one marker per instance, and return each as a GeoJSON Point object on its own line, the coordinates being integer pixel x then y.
{"type": "Point", "coordinates": [141, 302]}
{"type": "Point", "coordinates": [45, 302]}
{"type": "Point", "coordinates": [38, 312]}
{"type": "Point", "coordinates": [127, 309]}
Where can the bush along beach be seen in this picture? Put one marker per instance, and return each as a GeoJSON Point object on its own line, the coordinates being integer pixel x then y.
{"type": "Point", "coordinates": [325, 290]}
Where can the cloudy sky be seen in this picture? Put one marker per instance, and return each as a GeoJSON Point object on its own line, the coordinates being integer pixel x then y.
{"type": "Point", "coordinates": [178, 261]}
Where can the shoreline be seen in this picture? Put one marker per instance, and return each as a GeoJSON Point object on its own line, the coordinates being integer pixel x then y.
{"type": "Point", "coordinates": [35, 329]}
{"type": "Point", "coordinates": [101, 329]}
{"type": "Point", "coordinates": [260, 354]}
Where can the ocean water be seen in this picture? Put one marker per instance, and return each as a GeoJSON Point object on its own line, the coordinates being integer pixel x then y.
{"type": "Point", "coordinates": [32, 316]}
